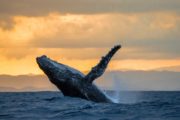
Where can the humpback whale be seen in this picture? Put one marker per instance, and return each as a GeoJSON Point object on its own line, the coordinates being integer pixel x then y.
{"type": "Point", "coordinates": [72, 82]}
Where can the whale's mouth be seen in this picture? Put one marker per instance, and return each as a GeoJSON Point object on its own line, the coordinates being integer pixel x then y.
{"type": "Point", "coordinates": [43, 61]}
{"type": "Point", "coordinates": [38, 59]}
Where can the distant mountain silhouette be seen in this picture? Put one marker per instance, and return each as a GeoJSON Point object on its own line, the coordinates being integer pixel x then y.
{"type": "Point", "coordinates": [119, 80]}
{"type": "Point", "coordinates": [25, 83]}
{"type": "Point", "coordinates": [170, 68]}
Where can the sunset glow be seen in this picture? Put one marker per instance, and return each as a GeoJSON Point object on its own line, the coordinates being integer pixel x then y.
{"type": "Point", "coordinates": [149, 40]}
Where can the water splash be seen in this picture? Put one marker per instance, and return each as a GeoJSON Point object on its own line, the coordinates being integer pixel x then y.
{"type": "Point", "coordinates": [123, 97]}
{"type": "Point", "coordinates": [116, 89]}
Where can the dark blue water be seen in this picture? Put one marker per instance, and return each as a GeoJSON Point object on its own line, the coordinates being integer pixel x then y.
{"type": "Point", "coordinates": [53, 106]}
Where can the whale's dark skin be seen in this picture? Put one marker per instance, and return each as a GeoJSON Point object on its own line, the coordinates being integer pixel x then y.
{"type": "Point", "coordinates": [74, 83]}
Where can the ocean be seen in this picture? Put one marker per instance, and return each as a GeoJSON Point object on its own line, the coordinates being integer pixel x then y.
{"type": "Point", "coordinates": [54, 106]}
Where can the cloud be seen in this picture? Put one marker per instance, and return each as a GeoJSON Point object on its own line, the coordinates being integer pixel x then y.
{"type": "Point", "coordinates": [44, 7]}
{"type": "Point", "coordinates": [56, 30]}
{"type": "Point", "coordinates": [79, 34]}
{"type": "Point", "coordinates": [17, 53]}
{"type": "Point", "coordinates": [147, 36]}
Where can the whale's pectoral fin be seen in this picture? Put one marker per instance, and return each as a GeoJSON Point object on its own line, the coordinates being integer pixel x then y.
{"type": "Point", "coordinates": [99, 69]}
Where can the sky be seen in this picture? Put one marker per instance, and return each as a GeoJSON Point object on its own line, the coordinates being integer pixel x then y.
{"type": "Point", "coordinates": [79, 33]}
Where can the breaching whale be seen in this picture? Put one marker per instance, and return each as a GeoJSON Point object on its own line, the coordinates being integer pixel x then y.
{"type": "Point", "coordinates": [72, 82]}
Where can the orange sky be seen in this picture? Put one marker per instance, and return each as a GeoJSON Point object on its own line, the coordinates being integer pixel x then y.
{"type": "Point", "coordinates": [149, 38]}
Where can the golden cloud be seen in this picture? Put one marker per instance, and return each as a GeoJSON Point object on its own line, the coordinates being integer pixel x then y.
{"type": "Point", "coordinates": [56, 30]}
{"type": "Point", "coordinates": [80, 39]}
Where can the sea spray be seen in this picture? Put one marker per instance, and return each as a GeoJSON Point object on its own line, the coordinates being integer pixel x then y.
{"type": "Point", "coordinates": [114, 95]}
{"type": "Point", "coordinates": [116, 89]}
{"type": "Point", "coordinates": [121, 93]}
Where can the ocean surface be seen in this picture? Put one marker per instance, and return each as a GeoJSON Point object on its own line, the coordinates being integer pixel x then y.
{"type": "Point", "coordinates": [54, 106]}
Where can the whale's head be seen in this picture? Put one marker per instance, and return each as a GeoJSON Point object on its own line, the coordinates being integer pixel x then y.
{"type": "Point", "coordinates": [51, 68]}
{"type": "Point", "coordinates": [46, 64]}
{"type": "Point", "coordinates": [55, 71]}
